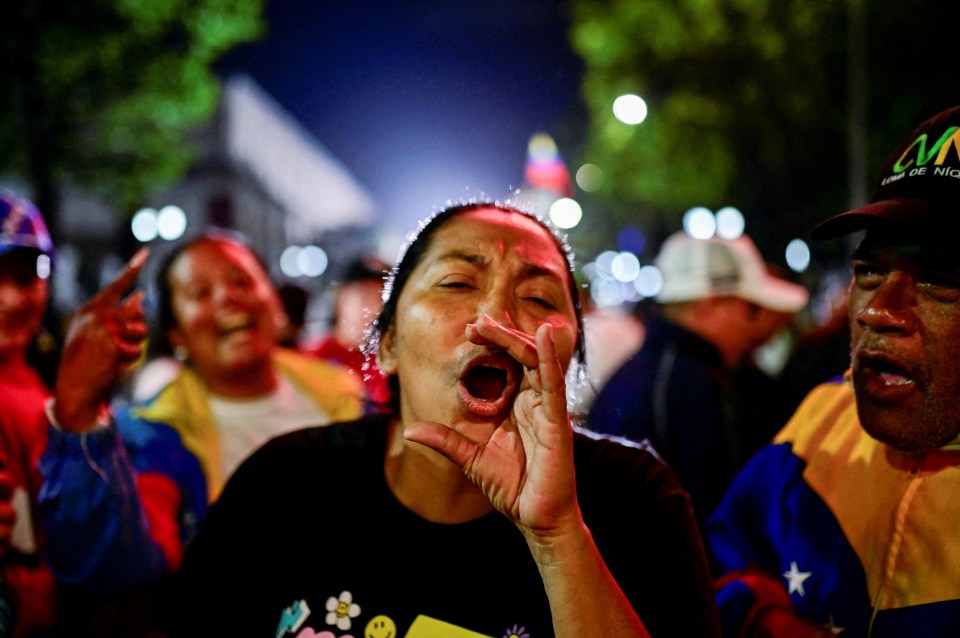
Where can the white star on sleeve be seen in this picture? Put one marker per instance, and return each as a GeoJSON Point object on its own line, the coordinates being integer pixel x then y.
{"type": "Point", "coordinates": [795, 579]}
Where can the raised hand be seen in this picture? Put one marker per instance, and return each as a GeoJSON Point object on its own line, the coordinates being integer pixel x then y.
{"type": "Point", "coordinates": [104, 338]}
{"type": "Point", "coordinates": [526, 466]}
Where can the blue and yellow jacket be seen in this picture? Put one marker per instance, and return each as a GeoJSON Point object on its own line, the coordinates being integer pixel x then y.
{"type": "Point", "coordinates": [119, 504]}
{"type": "Point", "coordinates": [847, 531]}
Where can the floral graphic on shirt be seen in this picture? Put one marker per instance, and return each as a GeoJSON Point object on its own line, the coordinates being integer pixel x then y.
{"type": "Point", "coordinates": [516, 632]}
{"type": "Point", "coordinates": [341, 609]}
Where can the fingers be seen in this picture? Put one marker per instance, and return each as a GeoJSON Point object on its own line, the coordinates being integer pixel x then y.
{"type": "Point", "coordinates": [112, 293]}
{"type": "Point", "coordinates": [552, 382]}
{"type": "Point", "coordinates": [520, 345]}
{"type": "Point", "coordinates": [443, 439]}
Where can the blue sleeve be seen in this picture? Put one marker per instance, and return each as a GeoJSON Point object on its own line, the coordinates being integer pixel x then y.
{"type": "Point", "coordinates": [771, 522]}
{"type": "Point", "coordinates": [97, 535]}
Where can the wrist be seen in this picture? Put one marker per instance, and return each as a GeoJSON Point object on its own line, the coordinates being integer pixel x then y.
{"type": "Point", "coordinates": [81, 420]}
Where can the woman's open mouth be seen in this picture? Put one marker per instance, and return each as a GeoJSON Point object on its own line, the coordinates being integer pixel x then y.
{"type": "Point", "coordinates": [489, 384]}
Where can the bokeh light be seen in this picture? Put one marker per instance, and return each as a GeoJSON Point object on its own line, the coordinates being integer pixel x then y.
{"type": "Point", "coordinates": [303, 261]}
{"type": "Point", "coordinates": [798, 255]}
{"type": "Point", "coordinates": [565, 213]}
{"type": "Point", "coordinates": [630, 109]}
{"type": "Point", "coordinates": [143, 225]}
{"type": "Point", "coordinates": [649, 281]}
{"type": "Point", "coordinates": [44, 266]}
{"type": "Point", "coordinates": [625, 267]}
{"type": "Point", "coordinates": [699, 223]}
{"type": "Point", "coordinates": [589, 177]}
{"type": "Point", "coordinates": [632, 239]}
{"type": "Point", "coordinates": [171, 222]}
{"type": "Point", "coordinates": [730, 222]}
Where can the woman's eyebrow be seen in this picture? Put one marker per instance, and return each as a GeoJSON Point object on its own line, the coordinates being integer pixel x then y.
{"type": "Point", "coordinates": [459, 255]}
{"type": "Point", "coordinates": [536, 270]}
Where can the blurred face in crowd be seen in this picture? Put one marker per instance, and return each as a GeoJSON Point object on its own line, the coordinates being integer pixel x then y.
{"type": "Point", "coordinates": [482, 261]}
{"type": "Point", "coordinates": [905, 342]}
{"type": "Point", "coordinates": [358, 304]}
{"type": "Point", "coordinates": [227, 312]}
{"type": "Point", "coordinates": [23, 301]}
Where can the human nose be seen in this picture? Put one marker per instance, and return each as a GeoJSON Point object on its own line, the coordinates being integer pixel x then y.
{"type": "Point", "coordinates": [890, 306]}
{"type": "Point", "coordinates": [497, 304]}
{"type": "Point", "coordinates": [227, 292]}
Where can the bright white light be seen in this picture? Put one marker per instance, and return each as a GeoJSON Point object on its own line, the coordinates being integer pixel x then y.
{"type": "Point", "coordinates": [730, 222]}
{"type": "Point", "coordinates": [143, 225]}
{"type": "Point", "coordinates": [590, 177]}
{"type": "Point", "coordinates": [625, 267]}
{"type": "Point", "coordinates": [606, 293]}
{"type": "Point", "coordinates": [649, 281]}
{"type": "Point", "coordinates": [604, 262]}
{"type": "Point", "coordinates": [44, 267]}
{"type": "Point", "coordinates": [699, 223]}
{"type": "Point", "coordinates": [312, 261]}
{"type": "Point", "coordinates": [565, 213]}
{"type": "Point", "coordinates": [290, 261]}
{"type": "Point", "coordinates": [798, 255]}
{"type": "Point", "coordinates": [589, 271]}
{"type": "Point", "coordinates": [630, 109]}
{"type": "Point", "coordinates": [171, 222]}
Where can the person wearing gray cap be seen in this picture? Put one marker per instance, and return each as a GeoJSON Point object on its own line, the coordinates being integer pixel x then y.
{"type": "Point", "coordinates": [846, 523]}
{"type": "Point", "coordinates": [682, 389]}
{"type": "Point", "coordinates": [26, 253]}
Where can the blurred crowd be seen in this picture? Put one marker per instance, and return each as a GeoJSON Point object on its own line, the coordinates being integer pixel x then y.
{"type": "Point", "coordinates": [468, 446]}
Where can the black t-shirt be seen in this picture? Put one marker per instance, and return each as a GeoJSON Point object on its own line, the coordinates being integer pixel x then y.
{"type": "Point", "coordinates": [308, 541]}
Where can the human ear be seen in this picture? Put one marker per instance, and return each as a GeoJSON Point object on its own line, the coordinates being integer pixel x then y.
{"type": "Point", "coordinates": [386, 359]}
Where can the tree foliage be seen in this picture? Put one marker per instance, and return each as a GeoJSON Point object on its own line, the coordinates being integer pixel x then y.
{"type": "Point", "coordinates": [105, 93]}
{"type": "Point", "coordinates": [752, 102]}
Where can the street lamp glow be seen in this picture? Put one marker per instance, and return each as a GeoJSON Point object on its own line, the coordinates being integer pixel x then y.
{"type": "Point", "coordinates": [143, 225]}
{"type": "Point", "coordinates": [798, 255]}
{"type": "Point", "coordinates": [699, 223]}
{"type": "Point", "coordinates": [44, 266]}
{"type": "Point", "coordinates": [312, 261]}
{"type": "Point", "coordinates": [171, 222]}
{"type": "Point", "coordinates": [730, 222]}
{"type": "Point", "coordinates": [604, 262]}
{"type": "Point", "coordinates": [625, 267]}
{"type": "Point", "coordinates": [649, 281]}
{"type": "Point", "coordinates": [565, 213]}
{"type": "Point", "coordinates": [290, 261]}
{"type": "Point", "coordinates": [630, 109]}
{"type": "Point", "coordinates": [589, 177]}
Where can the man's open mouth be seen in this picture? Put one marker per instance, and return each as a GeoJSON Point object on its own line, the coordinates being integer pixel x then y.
{"type": "Point", "coordinates": [881, 375]}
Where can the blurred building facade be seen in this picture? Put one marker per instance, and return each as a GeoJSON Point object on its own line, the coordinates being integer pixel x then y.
{"type": "Point", "coordinates": [260, 172]}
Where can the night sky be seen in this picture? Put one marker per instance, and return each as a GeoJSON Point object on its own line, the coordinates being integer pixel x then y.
{"type": "Point", "coordinates": [422, 101]}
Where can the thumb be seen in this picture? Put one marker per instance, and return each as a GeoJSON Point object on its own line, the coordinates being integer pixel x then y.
{"type": "Point", "coordinates": [447, 441]}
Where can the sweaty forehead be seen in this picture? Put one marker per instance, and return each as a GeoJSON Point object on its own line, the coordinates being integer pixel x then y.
{"type": "Point", "coordinates": [493, 232]}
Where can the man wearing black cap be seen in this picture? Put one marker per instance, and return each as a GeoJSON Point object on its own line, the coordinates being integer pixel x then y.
{"type": "Point", "coordinates": [847, 523]}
